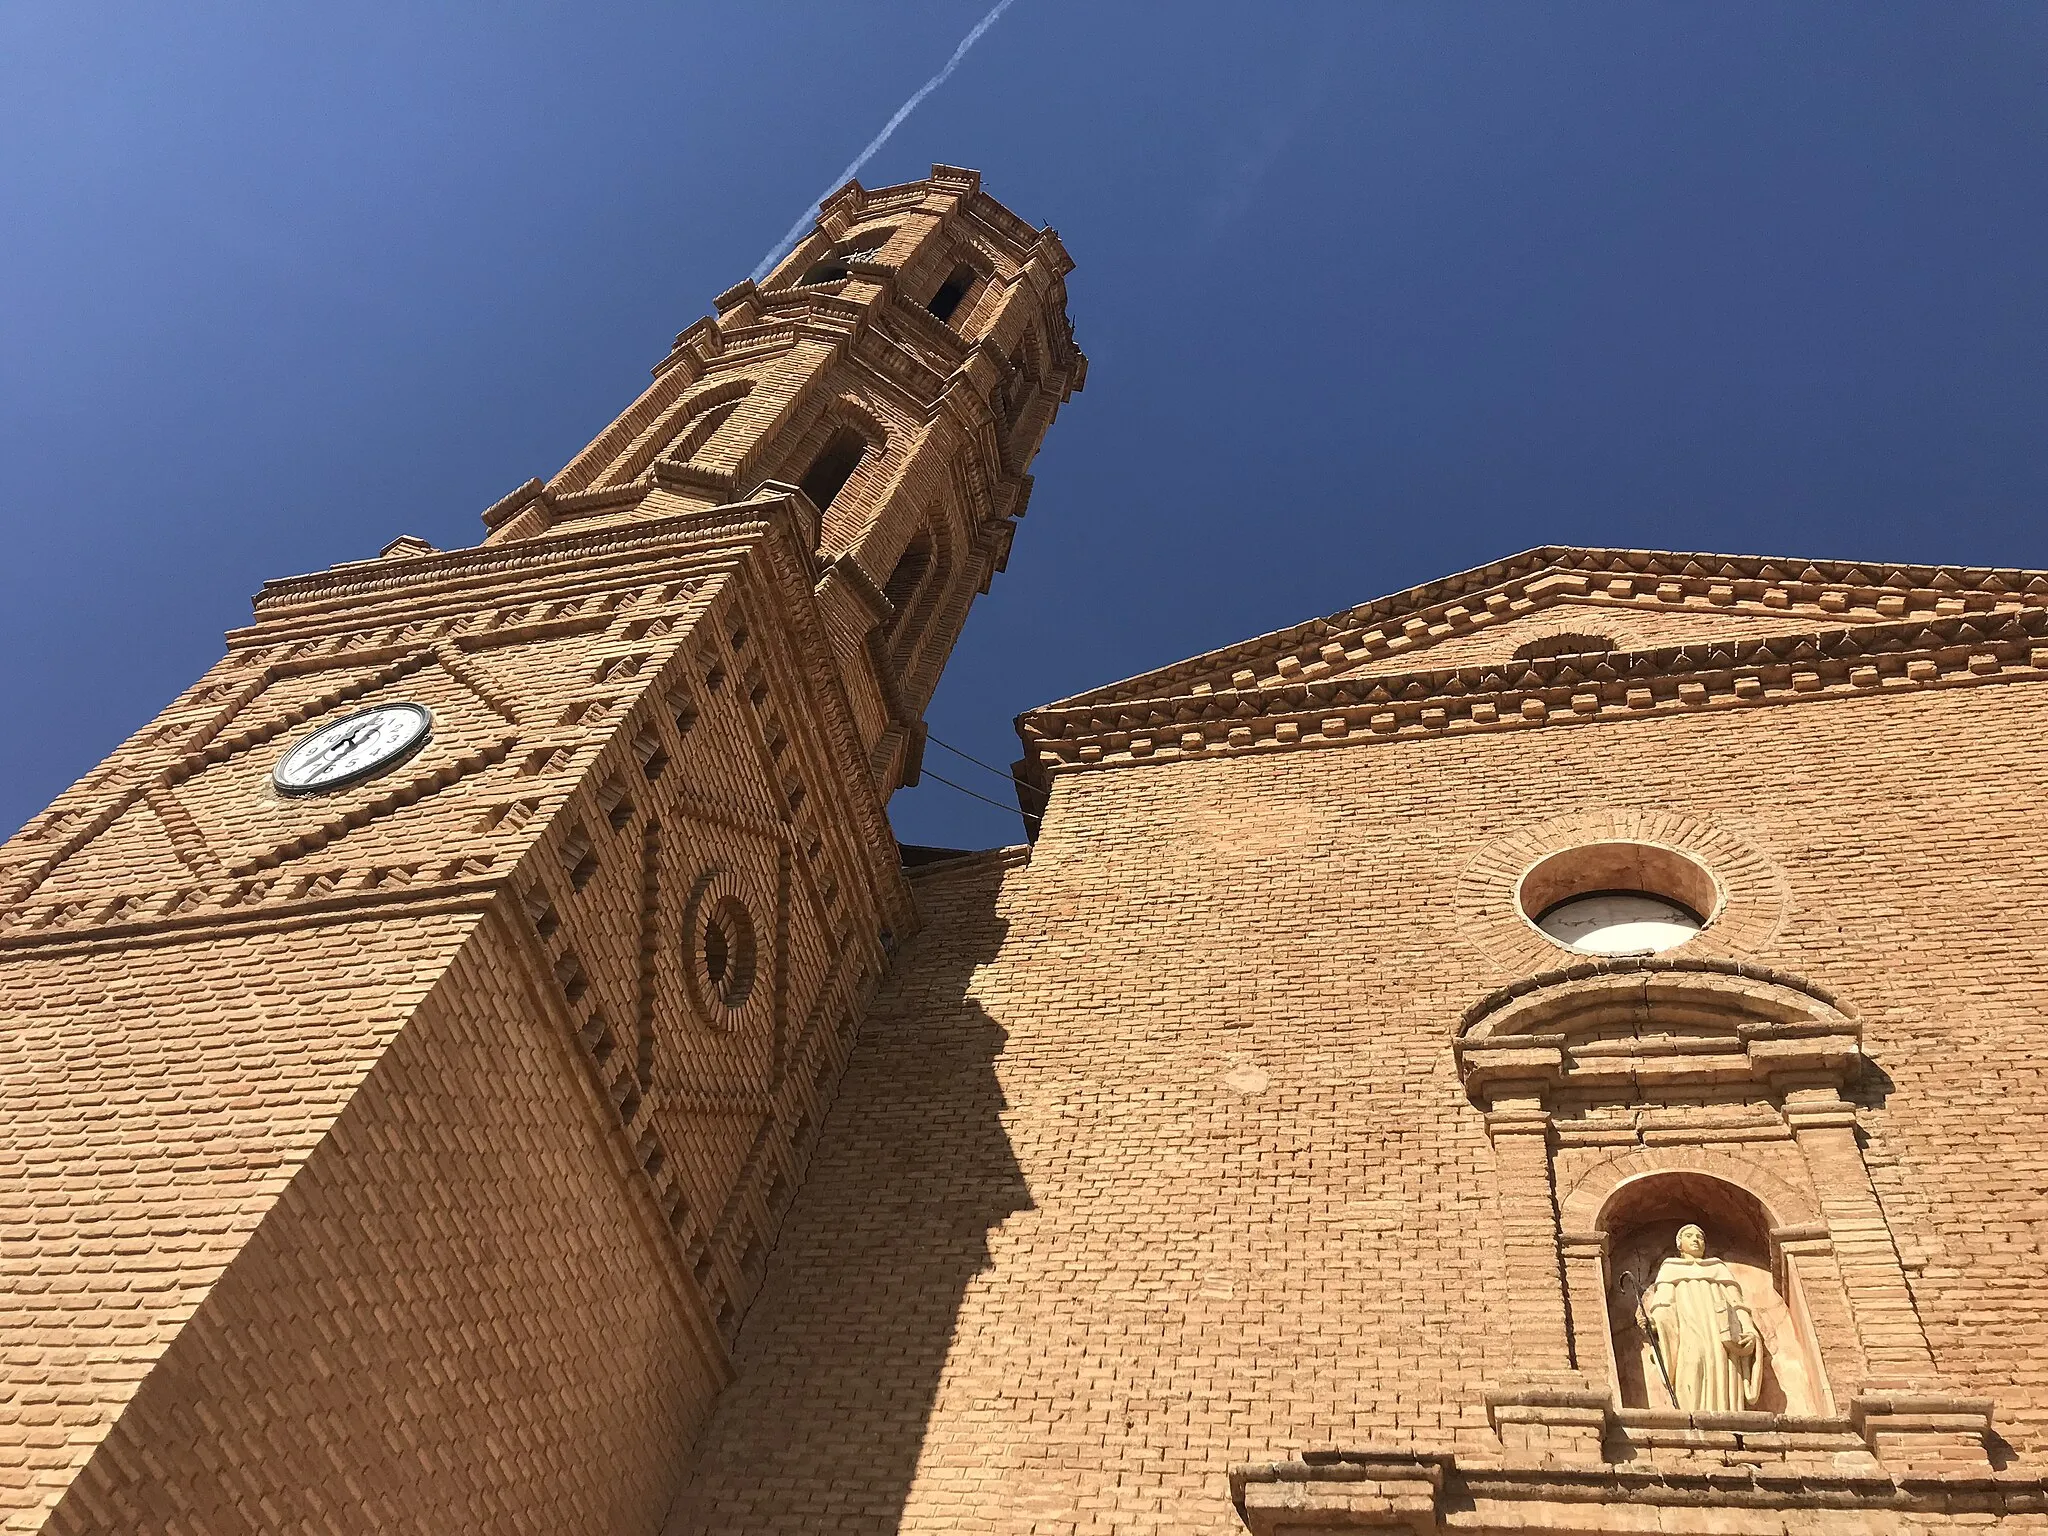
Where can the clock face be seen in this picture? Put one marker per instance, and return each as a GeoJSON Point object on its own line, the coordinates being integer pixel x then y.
{"type": "Point", "coordinates": [353, 748]}
{"type": "Point", "coordinates": [1619, 923]}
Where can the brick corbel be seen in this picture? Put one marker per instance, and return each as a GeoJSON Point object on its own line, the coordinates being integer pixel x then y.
{"type": "Point", "coordinates": [1557, 1423]}
{"type": "Point", "coordinates": [1340, 1491]}
{"type": "Point", "coordinates": [1924, 1434]}
{"type": "Point", "coordinates": [848, 593]}
{"type": "Point", "coordinates": [706, 478]}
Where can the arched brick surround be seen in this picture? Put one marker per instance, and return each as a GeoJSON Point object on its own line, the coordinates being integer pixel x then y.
{"type": "Point", "coordinates": [1581, 1209]}
{"type": "Point", "coordinates": [1752, 885]}
{"type": "Point", "coordinates": [1605, 1073]}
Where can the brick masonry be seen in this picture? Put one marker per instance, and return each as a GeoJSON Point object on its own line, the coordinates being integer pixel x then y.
{"type": "Point", "coordinates": [1154, 1162]}
{"type": "Point", "coordinates": [585, 1124]}
{"type": "Point", "coordinates": [406, 1156]}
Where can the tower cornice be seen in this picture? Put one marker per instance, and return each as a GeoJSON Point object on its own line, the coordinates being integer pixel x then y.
{"type": "Point", "coordinates": [660, 538]}
{"type": "Point", "coordinates": [373, 622]}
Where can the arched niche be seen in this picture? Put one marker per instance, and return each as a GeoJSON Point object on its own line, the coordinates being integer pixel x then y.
{"type": "Point", "coordinates": [1639, 1225]}
{"type": "Point", "coordinates": [680, 431]}
{"type": "Point", "coordinates": [1622, 1096]}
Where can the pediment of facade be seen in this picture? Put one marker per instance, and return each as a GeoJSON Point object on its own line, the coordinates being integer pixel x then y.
{"type": "Point", "coordinates": [1579, 625]}
{"type": "Point", "coordinates": [1499, 649]}
{"type": "Point", "coordinates": [1639, 600]}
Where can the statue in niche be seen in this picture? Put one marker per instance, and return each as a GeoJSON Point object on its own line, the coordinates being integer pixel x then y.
{"type": "Point", "coordinates": [1701, 1332]}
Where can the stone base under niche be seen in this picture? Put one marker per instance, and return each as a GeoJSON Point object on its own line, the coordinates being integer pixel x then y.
{"type": "Point", "coordinates": [1570, 1461]}
{"type": "Point", "coordinates": [1324, 1493]}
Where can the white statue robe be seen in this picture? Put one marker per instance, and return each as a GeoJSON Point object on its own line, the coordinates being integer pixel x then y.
{"type": "Point", "coordinates": [1708, 1338]}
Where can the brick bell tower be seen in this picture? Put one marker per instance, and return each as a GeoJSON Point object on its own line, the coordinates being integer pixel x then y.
{"type": "Point", "coordinates": [417, 1031]}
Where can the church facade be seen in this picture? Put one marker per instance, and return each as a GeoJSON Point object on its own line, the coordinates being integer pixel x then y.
{"type": "Point", "coordinates": [1554, 1049]}
{"type": "Point", "coordinates": [1559, 1048]}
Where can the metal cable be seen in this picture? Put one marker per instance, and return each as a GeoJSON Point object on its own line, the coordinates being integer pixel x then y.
{"type": "Point", "coordinates": [984, 799]}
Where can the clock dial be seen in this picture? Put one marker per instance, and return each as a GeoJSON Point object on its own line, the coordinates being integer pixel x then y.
{"type": "Point", "coordinates": [1619, 923]}
{"type": "Point", "coordinates": [353, 748]}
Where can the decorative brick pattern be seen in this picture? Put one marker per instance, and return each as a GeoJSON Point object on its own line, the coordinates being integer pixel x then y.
{"type": "Point", "coordinates": [406, 1156]}
{"type": "Point", "coordinates": [1657, 599]}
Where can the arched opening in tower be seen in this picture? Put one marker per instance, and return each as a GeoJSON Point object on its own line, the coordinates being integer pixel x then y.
{"type": "Point", "coordinates": [833, 467]}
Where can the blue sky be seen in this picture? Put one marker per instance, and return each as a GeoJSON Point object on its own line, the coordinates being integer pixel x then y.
{"type": "Point", "coordinates": [1372, 292]}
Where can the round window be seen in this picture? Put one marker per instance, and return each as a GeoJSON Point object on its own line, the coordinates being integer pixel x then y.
{"type": "Point", "coordinates": [1620, 923]}
{"type": "Point", "coordinates": [725, 953]}
{"type": "Point", "coordinates": [1619, 898]}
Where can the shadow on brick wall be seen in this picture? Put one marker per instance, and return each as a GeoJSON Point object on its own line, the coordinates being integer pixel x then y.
{"type": "Point", "coordinates": [841, 1355]}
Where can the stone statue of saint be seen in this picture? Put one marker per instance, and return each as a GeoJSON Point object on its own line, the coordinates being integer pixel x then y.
{"type": "Point", "coordinates": [1706, 1341]}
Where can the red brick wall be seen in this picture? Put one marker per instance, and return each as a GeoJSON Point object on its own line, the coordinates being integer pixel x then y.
{"type": "Point", "coordinates": [155, 1098]}
{"type": "Point", "coordinates": [1152, 1158]}
{"type": "Point", "coordinates": [455, 1318]}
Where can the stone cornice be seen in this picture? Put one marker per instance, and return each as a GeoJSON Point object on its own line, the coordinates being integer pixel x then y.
{"type": "Point", "coordinates": [1743, 1023]}
{"type": "Point", "coordinates": [854, 202]}
{"type": "Point", "coordinates": [1645, 966]}
{"type": "Point", "coordinates": [1892, 658]}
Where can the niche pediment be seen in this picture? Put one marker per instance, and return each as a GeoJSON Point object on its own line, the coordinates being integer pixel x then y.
{"type": "Point", "coordinates": [1690, 1239]}
{"type": "Point", "coordinates": [1634, 1030]}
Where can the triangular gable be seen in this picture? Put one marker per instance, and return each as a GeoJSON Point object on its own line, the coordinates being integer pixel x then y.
{"type": "Point", "coordinates": [1643, 599]}
{"type": "Point", "coordinates": [1567, 626]}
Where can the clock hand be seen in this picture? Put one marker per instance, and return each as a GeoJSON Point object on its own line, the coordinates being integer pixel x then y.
{"type": "Point", "coordinates": [343, 745]}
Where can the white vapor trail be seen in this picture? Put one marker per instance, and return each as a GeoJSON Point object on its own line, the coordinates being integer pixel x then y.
{"type": "Point", "coordinates": [803, 223]}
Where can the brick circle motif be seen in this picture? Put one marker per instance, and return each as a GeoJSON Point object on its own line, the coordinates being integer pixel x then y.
{"type": "Point", "coordinates": [1489, 913]}
{"type": "Point", "coordinates": [722, 958]}
{"type": "Point", "coordinates": [725, 953]}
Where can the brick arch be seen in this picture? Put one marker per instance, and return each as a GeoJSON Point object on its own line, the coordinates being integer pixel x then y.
{"type": "Point", "coordinates": [1582, 1208]}
{"type": "Point", "coordinates": [1699, 990]}
{"type": "Point", "coordinates": [843, 410]}
{"type": "Point", "coordinates": [1029, 366]}
{"type": "Point", "coordinates": [1754, 888]}
{"type": "Point", "coordinates": [828, 417]}
{"type": "Point", "coordinates": [672, 433]}
{"type": "Point", "coordinates": [911, 590]}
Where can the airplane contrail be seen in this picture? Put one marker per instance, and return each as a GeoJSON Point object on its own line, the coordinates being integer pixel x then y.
{"type": "Point", "coordinates": [803, 223]}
